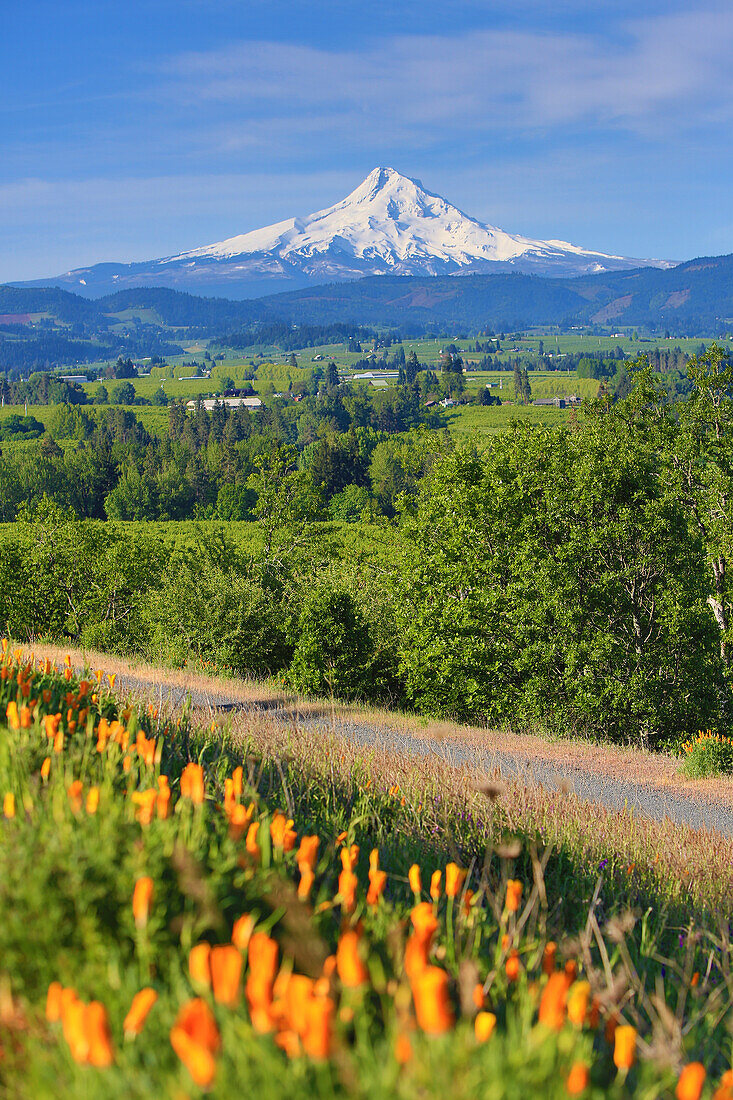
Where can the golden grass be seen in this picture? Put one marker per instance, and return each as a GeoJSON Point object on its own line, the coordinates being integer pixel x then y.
{"type": "Point", "coordinates": [692, 865]}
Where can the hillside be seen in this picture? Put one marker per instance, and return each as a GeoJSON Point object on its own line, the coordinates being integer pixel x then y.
{"type": "Point", "coordinates": [39, 325]}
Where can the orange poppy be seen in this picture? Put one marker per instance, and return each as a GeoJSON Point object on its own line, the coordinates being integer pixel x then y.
{"type": "Point", "coordinates": [577, 1003]}
{"type": "Point", "coordinates": [454, 879]}
{"type": "Point", "coordinates": [553, 1000]}
{"type": "Point", "coordinates": [435, 879]}
{"type": "Point", "coordinates": [9, 805]}
{"type": "Point", "coordinates": [578, 1079]}
{"type": "Point", "coordinates": [141, 899]}
{"type": "Point", "coordinates": [624, 1051]}
{"type": "Point", "coordinates": [691, 1081]}
{"type": "Point", "coordinates": [192, 783]}
{"type": "Point", "coordinates": [195, 1039]}
{"type": "Point", "coordinates": [415, 879]}
{"type": "Point", "coordinates": [348, 883]}
{"type": "Point", "coordinates": [351, 969]}
{"type": "Point", "coordinates": [548, 957]}
{"type": "Point", "coordinates": [199, 963]}
{"type": "Point", "coordinates": [318, 1033]}
{"type": "Point", "coordinates": [226, 971]}
{"type": "Point", "coordinates": [141, 1005]}
{"type": "Point", "coordinates": [377, 883]}
{"type": "Point", "coordinates": [484, 1025]}
{"type": "Point", "coordinates": [242, 931]}
{"type": "Point", "coordinates": [307, 852]}
{"type": "Point", "coordinates": [513, 894]}
{"type": "Point", "coordinates": [92, 803]}
{"type": "Point", "coordinates": [53, 1002]}
{"type": "Point", "coordinates": [432, 1002]}
{"type": "Point", "coordinates": [282, 832]}
{"type": "Point", "coordinates": [99, 1040]}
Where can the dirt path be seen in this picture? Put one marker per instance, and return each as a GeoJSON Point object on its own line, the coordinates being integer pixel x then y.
{"type": "Point", "coordinates": [616, 778]}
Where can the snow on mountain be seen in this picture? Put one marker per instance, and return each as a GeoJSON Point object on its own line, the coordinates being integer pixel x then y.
{"type": "Point", "coordinates": [394, 225]}
{"type": "Point", "coordinates": [389, 225]}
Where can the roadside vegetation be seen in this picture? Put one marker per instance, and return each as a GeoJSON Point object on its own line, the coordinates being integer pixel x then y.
{"type": "Point", "coordinates": [193, 908]}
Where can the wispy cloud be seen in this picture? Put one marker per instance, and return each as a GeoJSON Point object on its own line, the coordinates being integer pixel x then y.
{"type": "Point", "coordinates": [654, 75]}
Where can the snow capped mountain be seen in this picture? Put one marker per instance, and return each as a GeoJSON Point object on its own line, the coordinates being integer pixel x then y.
{"type": "Point", "coordinates": [389, 225]}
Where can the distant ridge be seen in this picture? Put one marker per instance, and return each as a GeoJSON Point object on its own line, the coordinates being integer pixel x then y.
{"type": "Point", "coordinates": [695, 298]}
{"type": "Point", "coordinates": [389, 225]}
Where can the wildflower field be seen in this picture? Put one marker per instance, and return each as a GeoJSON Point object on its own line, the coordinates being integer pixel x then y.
{"type": "Point", "coordinates": [191, 908]}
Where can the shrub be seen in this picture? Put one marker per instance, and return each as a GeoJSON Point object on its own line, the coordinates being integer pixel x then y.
{"type": "Point", "coordinates": [333, 649]}
{"type": "Point", "coordinates": [709, 754]}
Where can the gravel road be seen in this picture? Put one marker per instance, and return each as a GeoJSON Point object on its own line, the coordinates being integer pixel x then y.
{"type": "Point", "coordinates": [683, 807]}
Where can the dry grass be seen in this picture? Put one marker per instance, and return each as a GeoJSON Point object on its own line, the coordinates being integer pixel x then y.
{"type": "Point", "coordinates": [694, 866]}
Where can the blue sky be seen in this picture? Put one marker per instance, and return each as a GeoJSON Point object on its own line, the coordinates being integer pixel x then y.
{"type": "Point", "coordinates": [138, 129]}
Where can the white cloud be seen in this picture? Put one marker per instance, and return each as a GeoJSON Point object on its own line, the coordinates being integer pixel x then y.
{"type": "Point", "coordinates": [652, 76]}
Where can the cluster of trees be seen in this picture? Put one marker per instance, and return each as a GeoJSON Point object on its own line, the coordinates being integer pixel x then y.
{"type": "Point", "coordinates": [574, 577]}
{"type": "Point", "coordinates": [102, 462]}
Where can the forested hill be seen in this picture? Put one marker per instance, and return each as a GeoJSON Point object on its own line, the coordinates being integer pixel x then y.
{"type": "Point", "coordinates": [694, 297]}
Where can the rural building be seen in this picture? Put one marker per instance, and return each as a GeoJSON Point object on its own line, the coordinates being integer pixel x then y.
{"type": "Point", "coordinates": [227, 402]}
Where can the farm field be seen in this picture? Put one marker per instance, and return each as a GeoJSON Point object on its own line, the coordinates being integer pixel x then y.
{"type": "Point", "coordinates": [247, 902]}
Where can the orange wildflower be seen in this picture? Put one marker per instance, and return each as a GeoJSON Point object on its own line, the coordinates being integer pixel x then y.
{"type": "Point", "coordinates": [226, 972]}
{"type": "Point", "coordinates": [548, 957]}
{"type": "Point", "coordinates": [348, 883]}
{"type": "Point", "coordinates": [53, 1002]}
{"type": "Point", "coordinates": [141, 1005]}
{"type": "Point", "coordinates": [691, 1081]}
{"type": "Point", "coordinates": [350, 857]}
{"type": "Point", "coordinates": [553, 1000]}
{"type": "Point", "coordinates": [195, 1039]}
{"type": "Point", "coordinates": [111, 677]}
{"type": "Point", "coordinates": [251, 843]}
{"type": "Point", "coordinates": [435, 879]}
{"type": "Point", "coordinates": [11, 713]}
{"type": "Point", "coordinates": [237, 782]}
{"type": "Point", "coordinates": [9, 805]}
{"type": "Point", "coordinates": [403, 1049]}
{"type": "Point", "coordinates": [513, 894]}
{"type": "Point", "coordinates": [577, 1003]}
{"type": "Point", "coordinates": [74, 792]}
{"type": "Point", "coordinates": [199, 963]}
{"type": "Point", "coordinates": [624, 1051]}
{"type": "Point", "coordinates": [163, 800]}
{"type": "Point", "coordinates": [578, 1079]}
{"type": "Point", "coordinates": [318, 1032]}
{"type": "Point", "coordinates": [432, 1003]}
{"type": "Point", "coordinates": [307, 851]}
{"type": "Point", "coordinates": [92, 803]}
{"type": "Point", "coordinates": [484, 1025]}
{"type": "Point", "coordinates": [192, 783]}
{"type": "Point", "coordinates": [724, 1090]}
{"type": "Point", "coordinates": [239, 820]}
{"type": "Point", "coordinates": [415, 879]}
{"type": "Point", "coordinates": [351, 969]}
{"type": "Point", "coordinates": [141, 899]}
{"type": "Point", "coordinates": [454, 879]}
{"type": "Point", "coordinates": [377, 883]}
{"type": "Point", "coordinates": [477, 996]}
{"type": "Point", "coordinates": [282, 832]}
{"type": "Point", "coordinates": [242, 931]}
{"type": "Point", "coordinates": [99, 1040]}
{"type": "Point", "coordinates": [513, 966]}
{"type": "Point", "coordinates": [307, 879]}
{"type": "Point", "coordinates": [46, 768]}
{"type": "Point", "coordinates": [26, 719]}
{"type": "Point", "coordinates": [263, 956]}
{"type": "Point", "coordinates": [145, 801]}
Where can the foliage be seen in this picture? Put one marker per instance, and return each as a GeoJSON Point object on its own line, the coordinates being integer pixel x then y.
{"type": "Point", "coordinates": [162, 860]}
{"type": "Point", "coordinates": [707, 755]}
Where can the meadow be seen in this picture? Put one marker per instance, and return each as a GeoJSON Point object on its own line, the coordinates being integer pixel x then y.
{"type": "Point", "coordinates": [194, 906]}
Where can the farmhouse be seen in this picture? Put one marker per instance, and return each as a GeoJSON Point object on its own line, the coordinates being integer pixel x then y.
{"type": "Point", "coordinates": [228, 402]}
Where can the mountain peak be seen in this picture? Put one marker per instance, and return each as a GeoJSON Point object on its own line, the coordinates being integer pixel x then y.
{"type": "Point", "coordinates": [390, 224]}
